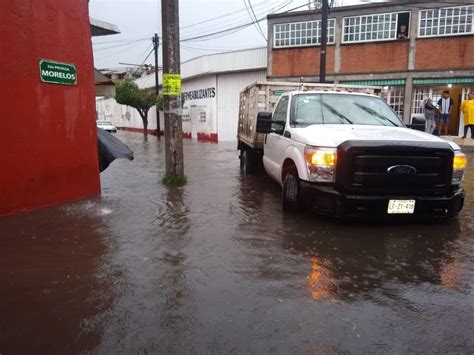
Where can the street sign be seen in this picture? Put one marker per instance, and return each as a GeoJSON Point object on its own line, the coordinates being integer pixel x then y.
{"type": "Point", "coordinates": [57, 73]}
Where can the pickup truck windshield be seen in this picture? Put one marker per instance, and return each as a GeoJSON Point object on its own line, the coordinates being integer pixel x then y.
{"type": "Point", "coordinates": [309, 109]}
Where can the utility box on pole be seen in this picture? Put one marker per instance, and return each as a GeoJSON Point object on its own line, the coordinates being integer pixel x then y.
{"type": "Point", "coordinates": [172, 91]}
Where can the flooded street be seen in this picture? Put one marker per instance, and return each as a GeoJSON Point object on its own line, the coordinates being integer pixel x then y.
{"type": "Point", "coordinates": [215, 267]}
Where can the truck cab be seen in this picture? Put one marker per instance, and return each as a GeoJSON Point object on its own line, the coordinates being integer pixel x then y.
{"type": "Point", "coordinates": [349, 154]}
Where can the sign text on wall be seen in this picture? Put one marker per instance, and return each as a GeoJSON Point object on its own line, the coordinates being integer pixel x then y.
{"type": "Point", "coordinates": [199, 94]}
{"type": "Point", "coordinates": [57, 73]}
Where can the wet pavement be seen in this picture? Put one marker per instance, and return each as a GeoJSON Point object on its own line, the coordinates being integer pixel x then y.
{"type": "Point", "coordinates": [215, 267]}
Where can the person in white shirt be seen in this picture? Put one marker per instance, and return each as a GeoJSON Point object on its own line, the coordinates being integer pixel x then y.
{"type": "Point", "coordinates": [445, 104]}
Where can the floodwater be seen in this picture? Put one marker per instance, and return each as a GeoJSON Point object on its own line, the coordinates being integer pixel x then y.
{"type": "Point", "coordinates": [215, 267]}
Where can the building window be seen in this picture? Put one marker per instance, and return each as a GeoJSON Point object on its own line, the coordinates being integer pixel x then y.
{"type": "Point", "coordinates": [419, 97]}
{"type": "Point", "coordinates": [448, 21]}
{"type": "Point", "coordinates": [299, 34]}
{"type": "Point", "coordinates": [395, 98]}
{"type": "Point", "coordinates": [380, 27]}
{"type": "Point", "coordinates": [420, 94]}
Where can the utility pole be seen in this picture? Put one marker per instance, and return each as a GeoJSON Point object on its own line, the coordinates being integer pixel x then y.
{"type": "Point", "coordinates": [156, 43]}
{"type": "Point", "coordinates": [172, 93]}
{"type": "Point", "coordinates": [324, 40]}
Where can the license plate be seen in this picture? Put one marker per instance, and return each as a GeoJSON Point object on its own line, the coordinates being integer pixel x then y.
{"type": "Point", "coordinates": [401, 207]}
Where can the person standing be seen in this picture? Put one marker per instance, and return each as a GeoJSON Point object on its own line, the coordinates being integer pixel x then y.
{"type": "Point", "coordinates": [430, 111]}
{"type": "Point", "coordinates": [468, 111]}
{"type": "Point", "coordinates": [445, 104]}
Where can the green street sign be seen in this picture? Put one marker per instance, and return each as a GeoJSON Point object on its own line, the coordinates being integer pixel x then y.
{"type": "Point", "coordinates": [57, 73]}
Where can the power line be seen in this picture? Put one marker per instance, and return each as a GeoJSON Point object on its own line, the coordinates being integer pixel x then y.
{"type": "Point", "coordinates": [119, 45]}
{"type": "Point", "coordinates": [236, 20]}
{"type": "Point", "coordinates": [120, 51]}
{"type": "Point", "coordinates": [123, 40]}
{"type": "Point", "coordinates": [220, 17]}
{"type": "Point", "coordinates": [254, 18]}
{"type": "Point", "coordinates": [234, 29]}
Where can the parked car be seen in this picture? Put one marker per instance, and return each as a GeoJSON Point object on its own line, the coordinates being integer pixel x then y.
{"type": "Point", "coordinates": [107, 126]}
{"type": "Point", "coordinates": [348, 154]}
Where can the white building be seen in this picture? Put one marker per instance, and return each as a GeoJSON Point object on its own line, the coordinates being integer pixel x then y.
{"type": "Point", "coordinates": [210, 85]}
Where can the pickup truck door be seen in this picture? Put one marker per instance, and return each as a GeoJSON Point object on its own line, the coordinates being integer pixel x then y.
{"type": "Point", "coordinates": [275, 143]}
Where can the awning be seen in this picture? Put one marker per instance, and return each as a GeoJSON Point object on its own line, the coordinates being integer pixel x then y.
{"type": "Point", "coordinates": [441, 81]}
{"type": "Point", "coordinates": [387, 82]}
{"type": "Point", "coordinates": [102, 28]}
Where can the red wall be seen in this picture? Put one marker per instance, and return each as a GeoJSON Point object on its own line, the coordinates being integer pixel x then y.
{"type": "Point", "coordinates": [445, 53]}
{"type": "Point", "coordinates": [48, 140]}
{"type": "Point", "coordinates": [300, 61]}
{"type": "Point", "coordinates": [374, 57]}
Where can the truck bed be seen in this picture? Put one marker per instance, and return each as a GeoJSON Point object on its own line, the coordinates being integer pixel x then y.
{"type": "Point", "coordinates": [262, 97]}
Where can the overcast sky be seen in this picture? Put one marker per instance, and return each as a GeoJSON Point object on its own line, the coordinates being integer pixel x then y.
{"type": "Point", "coordinates": [138, 20]}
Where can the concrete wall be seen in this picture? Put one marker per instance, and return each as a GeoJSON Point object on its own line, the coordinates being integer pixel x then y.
{"type": "Point", "coordinates": [200, 108]}
{"type": "Point", "coordinates": [125, 117]}
{"type": "Point", "coordinates": [48, 137]}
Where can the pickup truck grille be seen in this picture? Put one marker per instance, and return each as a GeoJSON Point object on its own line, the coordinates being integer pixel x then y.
{"type": "Point", "coordinates": [366, 169]}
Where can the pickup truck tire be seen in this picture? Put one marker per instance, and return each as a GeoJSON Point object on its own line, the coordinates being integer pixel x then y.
{"type": "Point", "coordinates": [291, 194]}
{"type": "Point", "coordinates": [248, 163]}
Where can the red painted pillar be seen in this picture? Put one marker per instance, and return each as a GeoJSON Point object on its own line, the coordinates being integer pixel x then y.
{"type": "Point", "coordinates": [48, 140]}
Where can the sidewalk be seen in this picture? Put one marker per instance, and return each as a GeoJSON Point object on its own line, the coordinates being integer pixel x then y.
{"type": "Point", "coordinates": [466, 144]}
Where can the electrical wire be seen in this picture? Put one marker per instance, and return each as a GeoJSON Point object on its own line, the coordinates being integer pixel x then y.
{"type": "Point", "coordinates": [237, 20]}
{"type": "Point", "coordinates": [119, 45]}
{"type": "Point", "coordinates": [120, 51]}
{"type": "Point", "coordinates": [231, 30]}
{"type": "Point", "coordinates": [120, 41]}
{"type": "Point", "coordinates": [251, 13]}
{"type": "Point", "coordinates": [219, 17]}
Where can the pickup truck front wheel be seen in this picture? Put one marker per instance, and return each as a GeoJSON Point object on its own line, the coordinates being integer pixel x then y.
{"type": "Point", "coordinates": [291, 194]}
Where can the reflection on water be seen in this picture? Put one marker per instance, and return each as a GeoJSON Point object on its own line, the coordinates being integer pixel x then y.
{"type": "Point", "coordinates": [52, 284]}
{"type": "Point", "coordinates": [215, 267]}
{"type": "Point", "coordinates": [319, 281]}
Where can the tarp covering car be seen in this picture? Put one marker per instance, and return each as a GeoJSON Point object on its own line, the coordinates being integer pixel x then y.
{"type": "Point", "coordinates": [110, 148]}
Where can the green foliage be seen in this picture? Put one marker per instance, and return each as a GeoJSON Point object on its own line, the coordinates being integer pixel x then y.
{"type": "Point", "coordinates": [128, 93]}
{"type": "Point", "coordinates": [174, 181]}
{"type": "Point", "coordinates": [159, 103]}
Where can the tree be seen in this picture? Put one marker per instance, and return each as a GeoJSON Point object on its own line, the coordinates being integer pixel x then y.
{"type": "Point", "coordinates": [128, 93]}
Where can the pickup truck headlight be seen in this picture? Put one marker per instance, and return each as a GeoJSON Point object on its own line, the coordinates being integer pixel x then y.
{"type": "Point", "coordinates": [321, 163]}
{"type": "Point", "coordinates": [459, 165]}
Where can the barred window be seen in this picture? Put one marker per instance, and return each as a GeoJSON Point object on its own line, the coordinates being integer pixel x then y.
{"type": "Point", "coordinates": [380, 27]}
{"type": "Point", "coordinates": [299, 34]}
{"type": "Point", "coordinates": [419, 97]}
{"type": "Point", "coordinates": [395, 98]}
{"type": "Point", "coordinates": [447, 21]}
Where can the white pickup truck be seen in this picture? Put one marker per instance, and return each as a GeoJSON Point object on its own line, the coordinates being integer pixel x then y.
{"type": "Point", "coordinates": [349, 155]}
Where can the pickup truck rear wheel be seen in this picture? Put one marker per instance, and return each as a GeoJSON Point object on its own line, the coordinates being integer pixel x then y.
{"type": "Point", "coordinates": [247, 161]}
{"type": "Point", "coordinates": [291, 194]}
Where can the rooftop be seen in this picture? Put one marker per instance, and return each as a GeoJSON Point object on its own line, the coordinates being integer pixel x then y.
{"type": "Point", "coordinates": [379, 5]}
{"type": "Point", "coordinates": [102, 28]}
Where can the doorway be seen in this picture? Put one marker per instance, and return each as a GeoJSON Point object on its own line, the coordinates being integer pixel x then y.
{"type": "Point", "coordinates": [455, 92]}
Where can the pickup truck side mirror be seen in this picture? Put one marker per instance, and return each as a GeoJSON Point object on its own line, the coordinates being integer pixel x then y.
{"type": "Point", "coordinates": [264, 122]}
